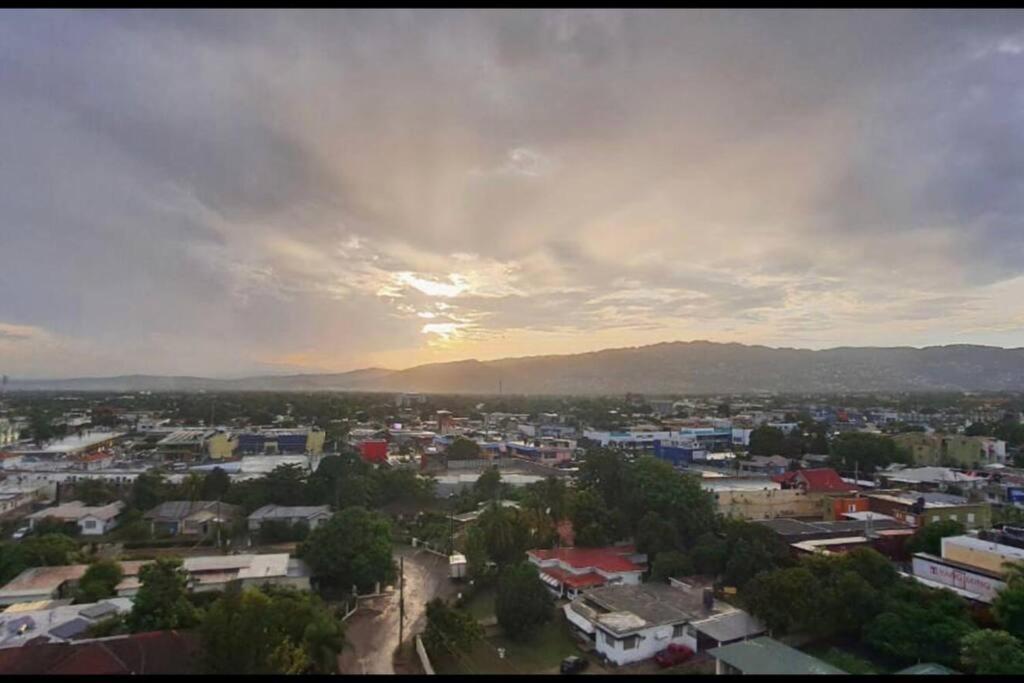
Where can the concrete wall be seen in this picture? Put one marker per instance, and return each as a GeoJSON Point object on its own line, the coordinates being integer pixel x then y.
{"type": "Point", "coordinates": [651, 642]}
{"type": "Point", "coordinates": [760, 504]}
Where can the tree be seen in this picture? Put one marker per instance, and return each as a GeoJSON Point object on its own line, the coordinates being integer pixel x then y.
{"type": "Point", "coordinates": [463, 449]}
{"type": "Point", "coordinates": [928, 539]}
{"type": "Point", "coordinates": [95, 492]}
{"type": "Point", "coordinates": [920, 624]}
{"type": "Point", "coordinates": [766, 440]}
{"type": "Point", "coordinates": [133, 527]}
{"type": "Point", "coordinates": [992, 652]}
{"type": "Point", "coordinates": [351, 548]}
{"type": "Point", "coordinates": [506, 534]}
{"type": "Point", "coordinates": [709, 554]}
{"type": "Point", "coordinates": [48, 550]}
{"type": "Point", "coordinates": [52, 525]}
{"type": "Point", "coordinates": [782, 599]}
{"type": "Point", "coordinates": [523, 603]}
{"type": "Point", "coordinates": [99, 581]}
{"type": "Point", "coordinates": [449, 630]}
{"type": "Point", "coordinates": [270, 631]}
{"type": "Point", "coordinates": [866, 452]}
{"type": "Point", "coordinates": [191, 487]}
{"type": "Point", "coordinates": [215, 484]}
{"type": "Point", "coordinates": [148, 490]}
{"type": "Point", "coordinates": [1008, 607]}
{"type": "Point", "coordinates": [670, 564]}
{"type": "Point", "coordinates": [592, 521]}
{"type": "Point", "coordinates": [488, 484]}
{"type": "Point", "coordinates": [286, 485]}
{"type": "Point", "coordinates": [162, 601]}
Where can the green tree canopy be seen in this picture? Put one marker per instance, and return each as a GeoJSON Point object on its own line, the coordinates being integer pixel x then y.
{"type": "Point", "coordinates": [988, 652]}
{"type": "Point", "coordinates": [95, 492]}
{"type": "Point", "coordinates": [866, 452]}
{"type": "Point", "coordinates": [351, 548]}
{"type": "Point", "coordinates": [99, 581]}
{"type": "Point", "coordinates": [523, 603]}
{"type": "Point", "coordinates": [463, 449]}
{"type": "Point", "coordinates": [162, 601]}
{"type": "Point", "coordinates": [449, 630]}
{"type": "Point", "coordinates": [928, 539]}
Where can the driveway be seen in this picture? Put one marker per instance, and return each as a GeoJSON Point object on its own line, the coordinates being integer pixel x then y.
{"type": "Point", "coordinates": [372, 632]}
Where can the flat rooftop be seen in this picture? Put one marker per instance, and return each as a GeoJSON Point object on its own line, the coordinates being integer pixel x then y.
{"type": "Point", "coordinates": [627, 608]}
{"type": "Point", "coordinates": [795, 528]}
{"type": "Point", "coordinates": [72, 444]}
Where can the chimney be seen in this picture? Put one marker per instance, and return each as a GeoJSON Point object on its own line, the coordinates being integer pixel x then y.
{"type": "Point", "coordinates": [709, 599]}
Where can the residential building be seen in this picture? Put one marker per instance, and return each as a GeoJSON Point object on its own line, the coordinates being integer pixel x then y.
{"type": "Point", "coordinates": [767, 656]}
{"type": "Point", "coordinates": [955, 450]}
{"type": "Point", "coordinates": [54, 621]}
{"type": "Point", "coordinates": [183, 517]}
{"type": "Point", "coordinates": [311, 516]}
{"type": "Point", "coordinates": [631, 623]}
{"type": "Point", "coordinates": [920, 508]}
{"type": "Point", "coordinates": [91, 520]}
{"type": "Point", "coordinates": [821, 480]}
{"type": "Point", "coordinates": [208, 573]}
{"type": "Point", "coordinates": [567, 571]}
{"type": "Point", "coordinates": [158, 652]}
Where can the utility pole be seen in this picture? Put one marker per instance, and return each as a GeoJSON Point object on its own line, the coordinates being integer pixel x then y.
{"type": "Point", "coordinates": [401, 601]}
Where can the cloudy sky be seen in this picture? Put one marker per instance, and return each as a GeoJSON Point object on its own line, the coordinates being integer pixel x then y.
{"type": "Point", "coordinates": [235, 193]}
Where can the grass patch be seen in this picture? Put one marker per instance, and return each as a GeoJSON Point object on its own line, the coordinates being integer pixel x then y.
{"type": "Point", "coordinates": [542, 653]}
{"type": "Point", "coordinates": [848, 661]}
{"type": "Point", "coordinates": [481, 605]}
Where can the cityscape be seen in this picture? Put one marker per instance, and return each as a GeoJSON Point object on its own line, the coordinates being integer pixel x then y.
{"type": "Point", "coordinates": [511, 342]}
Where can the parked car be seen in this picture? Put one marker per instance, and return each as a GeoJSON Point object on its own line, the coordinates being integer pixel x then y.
{"type": "Point", "coordinates": [573, 665]}
{"type": "Point", "coordinates": [673, 655]}
{"type": "Point", "coordinates": [20, 533]}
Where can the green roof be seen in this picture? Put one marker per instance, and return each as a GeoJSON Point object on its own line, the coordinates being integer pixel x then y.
{"type": "Point", "coordinates": [766, 655]}
{"type": "Point", "coordinates": [926, 669]}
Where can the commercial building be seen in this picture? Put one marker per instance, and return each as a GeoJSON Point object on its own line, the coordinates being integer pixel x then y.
{"type": "Point", "coordinates": [311, 516]}
{"type": "Point", "coordinates": [69, 447]}
{"type": "Point", "coordinates": [266, 441]}
{"type": "Point", "coordinates": [981, 554]}
{"type": "Point", "coordinates": [767, 656]}
{"type": "Point", "coordinates": [820, 480]}
{"type": "Point", "coordinates": [185, 445]}
{"type": "Point", "coordinates": [545, 451]}
{"type": "Point", "coordinates": [631, 623]}
{"type": "Point", "coordinates": [567, 571]}
{"type": "Point", "coordinates": [969, 582]}
{"type": "Point", "coordinates": [91, 520]}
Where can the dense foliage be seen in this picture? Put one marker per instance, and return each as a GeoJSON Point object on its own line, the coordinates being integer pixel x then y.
{"type": "Point", "coordinates": [353, 548]}
{"type": "Point", "coordinates": [523, 603]}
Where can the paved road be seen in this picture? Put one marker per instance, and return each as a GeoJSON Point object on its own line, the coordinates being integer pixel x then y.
{"type": "Point", "coordinates": [372, 632]}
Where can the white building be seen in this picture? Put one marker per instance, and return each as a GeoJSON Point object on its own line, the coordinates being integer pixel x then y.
{"type": "Point", "coordinates": [568, 571]}
{"type": "Point", "coordinates": [91, 521]}
{"type": "Point", "coordinates": [631, 623]}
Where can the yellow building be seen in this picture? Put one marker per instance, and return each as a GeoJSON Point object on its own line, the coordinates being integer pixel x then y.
{"type": "Point", "coordinates": [984, 555]}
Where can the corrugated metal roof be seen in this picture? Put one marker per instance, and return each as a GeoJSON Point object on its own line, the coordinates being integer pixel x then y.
{"type": "Point", "coordinates": [768, 656]}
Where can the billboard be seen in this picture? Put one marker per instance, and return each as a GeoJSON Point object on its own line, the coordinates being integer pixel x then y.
{"type": "Point", "coordinates": [982, 586]}
{"type": "Point", "coordinates": [1015, 494]}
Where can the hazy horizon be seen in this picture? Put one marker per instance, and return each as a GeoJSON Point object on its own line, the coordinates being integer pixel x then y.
{"type": "Point", "coordinates": [243, 193]}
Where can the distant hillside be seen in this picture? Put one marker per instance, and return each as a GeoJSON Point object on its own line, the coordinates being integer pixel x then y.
{"type": "Point", "coordinates": [675, 367]}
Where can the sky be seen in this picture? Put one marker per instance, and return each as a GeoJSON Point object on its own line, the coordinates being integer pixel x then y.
{"type": "Point", "coordinates": [234, 193]}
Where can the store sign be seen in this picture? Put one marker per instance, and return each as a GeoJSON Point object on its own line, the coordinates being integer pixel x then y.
{"type": "Point", "coordinates": [983, 586]}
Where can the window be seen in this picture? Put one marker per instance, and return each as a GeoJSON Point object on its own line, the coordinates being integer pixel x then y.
{"type": "Point", "coordinates": [970, 518]}
{"type": "Point", "coordinates": [935, 518]}
{"type": "Point", "coordinates": [89, 524]}
{"type": "Point", "coordinates": [678, 630]}
{"type": "Point", "coordinates": [630, 643]}
{"type": "Point", "coordinates": [953, 517]}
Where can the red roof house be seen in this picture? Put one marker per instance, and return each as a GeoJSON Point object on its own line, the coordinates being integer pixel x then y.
{"type": "Point", "coordinates": [567, 571]}
{"type": "Point", "coordinates": [158, 652]}
{"type": "Point", "coordinates": [821, 480]}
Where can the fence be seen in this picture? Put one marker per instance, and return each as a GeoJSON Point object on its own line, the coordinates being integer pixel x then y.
{"type": "Point", "coordinates": [424, 659]}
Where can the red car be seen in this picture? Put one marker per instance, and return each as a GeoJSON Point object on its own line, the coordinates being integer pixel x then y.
{"type": "Point", "coordinates": [673, 655]}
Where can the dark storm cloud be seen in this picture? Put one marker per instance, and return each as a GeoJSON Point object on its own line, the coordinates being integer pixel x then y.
{"type": "Point", "coordinates": [213, 191]}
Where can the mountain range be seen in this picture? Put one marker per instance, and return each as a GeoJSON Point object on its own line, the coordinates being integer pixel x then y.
{"type": "Point", "coordinates": [697, 367]}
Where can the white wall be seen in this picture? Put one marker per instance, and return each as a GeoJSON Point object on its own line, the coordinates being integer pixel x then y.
{"type": "Point", "coordinates": [652, 641]}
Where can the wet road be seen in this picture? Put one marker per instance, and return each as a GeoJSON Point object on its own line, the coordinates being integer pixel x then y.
{"type": "Point", "coordinates": [372, 632]}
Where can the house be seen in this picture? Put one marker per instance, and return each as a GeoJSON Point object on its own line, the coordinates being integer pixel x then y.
{"type": "Point", "coordinates": [312, 516]}
{"type": "Point", "coordinates": [91, 521]}
{"type": "Point", "coordinates": [631, 623]}
{"type": "Point", "coordinates": [178, 517]}
{"type": "Point", "coordinates": [207, 573]}
{"type": "Point", "coordinates": [158, 652]}
{"type": "Point", "coordinates": [820, 480]}
{"type": "Point", "coordinates": [567, 571]}
{"type": "Point", "coordinates": [771, 465]}
{"type": "Point", "coordinates": [54, 621]}
{"type": "Point", "coordinates": [766, 655]}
